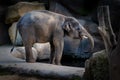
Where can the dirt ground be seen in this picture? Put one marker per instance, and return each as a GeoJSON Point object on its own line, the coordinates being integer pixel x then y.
{"type": "Point", "coordinates": [17, 77]}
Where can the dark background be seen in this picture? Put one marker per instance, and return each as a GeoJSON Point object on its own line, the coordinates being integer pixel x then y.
{"type": "Point", "coordinates": [77, 7]}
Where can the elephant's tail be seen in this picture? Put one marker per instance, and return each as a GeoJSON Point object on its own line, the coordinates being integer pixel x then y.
{"type": "Point", "coordinates": [14, 41]}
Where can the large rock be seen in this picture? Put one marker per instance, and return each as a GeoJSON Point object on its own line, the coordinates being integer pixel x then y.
{"type": "Point", "coordinates": [78, 48]}
{"type": "Point", "coordinates": [114, 6]}
{"type": "Point", "coordinates": [97, 68]}
{"type": "Point", "coordinates": [58, 8]}
{"type": "Point", "coordinates": [43, 50]}
{"type": "Point", "coordinates": [19, 52]}
{"type": "Point", "coordinates": [40, 51]}
{"type": "Point", "coordinates": [14, 12]}
{"type": "Point", "coordinates": [92, 28]}
{"type": "Point", "coordinates": [4, 37]}
{"type": "Point", "coordinates": [80, 7]}
{"type": "Point", "coordinates": [12, 33]}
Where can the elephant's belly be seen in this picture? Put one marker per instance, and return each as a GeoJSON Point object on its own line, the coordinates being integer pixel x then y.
{"type": "Point", "coordinates": [42, 40]}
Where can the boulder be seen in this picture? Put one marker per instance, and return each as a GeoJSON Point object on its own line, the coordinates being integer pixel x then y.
{"type": "Point", "coordinates": [19, 52]}
{"type": "Point", "coordinates": [14, 12]}
{"type": "Point", "coordinates": [78, 48]}
{"type": "Point", "coordinates": [4, 37]}
{"type": "Point", "coordinates": [92, 28]}
{"type": "Point", "coordinates": [43, 50]}
{"type": "Point", "coordinates": [97, 68]}
{"type": "Point", "coordinates": [79, 7]}
{"type": "Point", "coordinates": [40, 51]}
{"type": "Point", "coordinates": [58, 8]}
{"type": "Point", "coordinates": [75, 47]}
{"type": "Point", "coordinates": [12, 33]}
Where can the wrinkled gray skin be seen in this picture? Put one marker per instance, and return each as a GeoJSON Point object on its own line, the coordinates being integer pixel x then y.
{"type": "Point", "coordinates": [45, 26]}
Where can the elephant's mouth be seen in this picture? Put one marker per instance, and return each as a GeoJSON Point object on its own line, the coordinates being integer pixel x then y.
{"type": "Point", "coordinates": [80, 37]}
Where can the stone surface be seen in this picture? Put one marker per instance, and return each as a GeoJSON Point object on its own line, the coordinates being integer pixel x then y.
{"type": "Point", "coordinates": [58, 8]}
{"type": "Point", "coordinates": [14, 12]}
{"type": "Point", "coordinates": [6, 57]}
{"type": "Point", "coordinates": [45, 70]}
{"type": "Point", "coordinates": [12, 33]}
{"type": "Point", "coordinates": [19, 52]}
{"type": "Point", "coordinates": [97, 68]}
{"type": "Point", "coordinates": [92, 28]}
{"type": "Point", "coordinates": [79, 7]}
{"type": "Point", "coordinates": [40, 51]}
{"type": "Point", "coordinates": [19, 66]}
{"type": "Point", "coordinates": [43, 50]}
{"type": "Point", "coordinates": [77, 48]}
{"type": "Point", "coordinates": [4, 37]}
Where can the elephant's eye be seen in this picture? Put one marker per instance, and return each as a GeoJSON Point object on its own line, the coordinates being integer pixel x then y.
{"type": "Point", "coordinates": [77, 28]}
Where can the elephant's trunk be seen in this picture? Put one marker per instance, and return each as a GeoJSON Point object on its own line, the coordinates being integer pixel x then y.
{"type": "Point", "coordinates": [85, 33]}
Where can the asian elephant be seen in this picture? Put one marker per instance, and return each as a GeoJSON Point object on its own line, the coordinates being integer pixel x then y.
{"type": "Point", "coordinates": [46, 26]}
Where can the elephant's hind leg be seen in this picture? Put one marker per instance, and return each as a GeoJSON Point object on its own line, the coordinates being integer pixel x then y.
{"type": "Point", "coordinates": [29, 54]}
{"type": "Point", "coordinates": [52, 55]}
{"type": "Point", "coordinates": [28, 43]}
{"type": "Point", "coordinates": [28, 39]}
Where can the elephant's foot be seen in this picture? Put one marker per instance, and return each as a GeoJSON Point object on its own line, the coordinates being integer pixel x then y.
{"type": "Point", "coordinates": [59, 64]}
{"type": "Point", "coordinates": [55, 63]}
{"type": "Point", "coordinates": [31, 61]}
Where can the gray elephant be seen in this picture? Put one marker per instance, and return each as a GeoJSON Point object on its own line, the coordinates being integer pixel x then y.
{"type": "Point", "coordinates": [45, 26]}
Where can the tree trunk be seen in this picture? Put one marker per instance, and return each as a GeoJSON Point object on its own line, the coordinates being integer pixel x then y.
{"type": "Point", "coordinates": [109, 38]}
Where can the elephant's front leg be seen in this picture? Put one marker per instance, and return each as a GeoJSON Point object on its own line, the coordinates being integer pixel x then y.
{"type": "Point", "coordinates": [57, 51]}
{"type": "Point", "coordinates": [52, 55]}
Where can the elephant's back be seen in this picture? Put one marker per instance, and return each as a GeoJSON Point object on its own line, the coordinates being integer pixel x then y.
{"type": "Point", "coordinates": [40, 20]}
{"type": "Point", "coordinates": [37, 17]}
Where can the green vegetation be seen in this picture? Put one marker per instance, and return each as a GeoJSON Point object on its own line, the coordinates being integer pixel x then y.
{"type": "Point", "coordinates": [100, 68]}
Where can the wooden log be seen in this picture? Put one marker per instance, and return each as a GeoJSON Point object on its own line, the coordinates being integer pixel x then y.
{"type": "Point", "coordinates": [109, 26]}
{"type": "Point", "coordinates": [102, 29]}
{"type": "Point", "coordinates": [109, 38]}
{"type": "Point", "coordinates": [44, 70]}
{"type": "Point", "coordinates": [105, 28]}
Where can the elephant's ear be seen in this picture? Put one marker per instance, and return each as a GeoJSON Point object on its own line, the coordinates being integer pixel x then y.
{"type": "Point", "coordinates": [67, 26]}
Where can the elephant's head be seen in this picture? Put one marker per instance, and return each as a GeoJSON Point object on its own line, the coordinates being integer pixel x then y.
{"type": "Point", "coordinates": [74, 29]}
